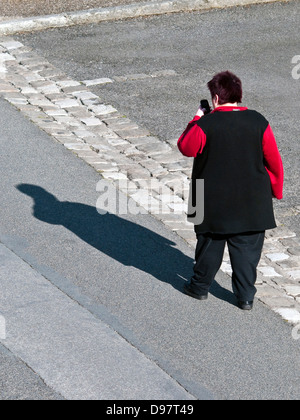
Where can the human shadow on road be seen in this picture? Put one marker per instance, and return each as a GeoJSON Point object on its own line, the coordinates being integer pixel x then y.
{"type": "Point", "coordinates": [128, 243]}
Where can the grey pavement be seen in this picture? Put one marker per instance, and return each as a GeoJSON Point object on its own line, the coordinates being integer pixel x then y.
{"type": "Point", "coordinates": [75, 353]}
{"type": "Point", "coordinates": [19, 382]}
{"type": "Point", "coordinates": [105, 264]}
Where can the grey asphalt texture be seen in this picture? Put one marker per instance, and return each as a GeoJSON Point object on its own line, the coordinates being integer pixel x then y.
{"type": "Point", "coordinates": [74, 352]}
{"type": "Point", "coordinates": [20, 382]}
{"type": "Point", "coordinates": [28, 8]}
{"type": "Point", "coordinates": [256, 42]}
{"type": "Point", "coordinates": [129, 272]}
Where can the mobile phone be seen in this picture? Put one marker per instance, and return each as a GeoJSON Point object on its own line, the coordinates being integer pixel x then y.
{"type": "Point", "coordinates": [204, 105]}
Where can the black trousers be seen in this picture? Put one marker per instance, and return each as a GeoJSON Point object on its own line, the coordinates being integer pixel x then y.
{"type": "Point", "coordinates": [245, 253]}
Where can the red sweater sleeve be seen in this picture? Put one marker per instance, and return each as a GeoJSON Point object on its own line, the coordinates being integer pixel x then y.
{"type": "Point", "coordinates": [193, 140]}
{"type": "Point", "coordinates": [273, 163]}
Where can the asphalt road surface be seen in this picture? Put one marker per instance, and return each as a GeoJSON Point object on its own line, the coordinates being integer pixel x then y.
{"type": "Point", "coordinates": [129, 273]}
{"type": "Point", "coordinates": [258, 43]}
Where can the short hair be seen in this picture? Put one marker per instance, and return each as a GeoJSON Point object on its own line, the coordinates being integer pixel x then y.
{"type": "Point", "coordinates": [227, 86]}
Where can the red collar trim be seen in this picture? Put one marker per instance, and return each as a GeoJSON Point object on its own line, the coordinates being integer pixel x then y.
{"type": "Point", "coordinates": [230, 108]}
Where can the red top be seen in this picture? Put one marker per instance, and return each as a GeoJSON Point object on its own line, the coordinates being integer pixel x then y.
{"type": "Point", "coordinates": [193, 140]}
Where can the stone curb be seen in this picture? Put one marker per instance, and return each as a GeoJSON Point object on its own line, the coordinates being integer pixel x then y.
{"type": "Point", "coordinates": [115, 13]}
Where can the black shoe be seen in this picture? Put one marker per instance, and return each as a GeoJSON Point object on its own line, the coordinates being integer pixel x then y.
{"type": "Point", "coordinates": [188, 290]}
{"type": "Point", "coordinates": [245, 305]}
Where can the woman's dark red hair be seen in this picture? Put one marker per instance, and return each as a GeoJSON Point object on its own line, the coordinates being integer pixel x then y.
{"type": "Point", "coordinates": [227, 86]}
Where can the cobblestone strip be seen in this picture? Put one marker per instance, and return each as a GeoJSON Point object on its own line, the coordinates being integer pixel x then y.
{"type": "Point", "coordinates": [150, 171]}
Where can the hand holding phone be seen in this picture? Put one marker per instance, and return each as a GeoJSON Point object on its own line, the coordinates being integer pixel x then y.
{"type": "Point", "coordinates": [205, 107]}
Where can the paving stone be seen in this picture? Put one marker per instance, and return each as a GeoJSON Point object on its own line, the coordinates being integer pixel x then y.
{"type": "Point", "coordinates": [153, 149]}
{"type": "Point", "coordinates": [165, 158]}
{"type": "Point", "coordinates": [58, 133]}
{"type": "Point", "coordinates": [154, 168]}
{"type": "Point", "coordinates": [282, 281]}
{"type": "Point", "coordinates": [73, 90]}
{"type": "Point", "coordinates": [117, 142]}
{"type": "Point", "coordinates": [102, 109]}
{"type": "Point", "coordinates": [276, 302]}
{"type": "Point", "coordinates": [96, 101]}
{"type": "Point", "coordinates": [292, 262]}
{"type": "Point", "coordinates": [16, 100]}
{"type": "Point", "coordinates": [158, 208]}
{"type": "Point", "coordinates": [12, 45]}
{"type": "Point", "coordinates": [42, 83]}
{"type": "Point", "coordinates": [273, 247]}
{"type": "Point", "coordinates": [97, 82]}
{"type": "Point", "coordinates": [88, 154]}
{"type": "Point", "coordinates": [113, 116]}
{"type": "Point", "coordinates": [188, 235]}
{"type": "Point", "coordinates": [170, 198]}
{"type": "Point", "coordinates": [294, 251]}
{"type": "Point", "coordinates": [49, 89]}
{"type": "Point", "coordinates": [278, 256]}
{"type": "Point", "coordinates": [134, 173]}
{"type": "Point", "coordinates": [67, 139]}
{"type": "Point", "coordinates": [279, 233]}
{"type": "Point", "coordinates": [50, 72]}
{"type": "Point", "coordinates": [91, 121]}
{"type": "Point", "coordinates": [114, 175]}
{"type": "Point", "coordinates": [31, 77]}
{"type": "Point", "coordinates": [141, 196]}
{"type": "Point", "coordinates": [66, 103]}
{"type": "Point", "coordinates": [67, 83]}
{"type": "Point", "coordinates": [122, 125]}
{"type": "Point", "coordinates": [293, 290]}
{"type": "Point", "coordinates": [93, 157]}
{"type": "Point", "coordinates": [84, 95]}
{"type": "Point", "coordinates": [178, 225]}
{"type": "Point", "coordinates": [79, 112]}
{"type": "Point", "coordinates": [295, 274]}
{"type": "Point", "coordinates": [136, 132]}
{"type": "Point", "coordinates": [28, 91]}
{"type": "Point", "coordinates": [267, 290]}
{"type": "Point", "coordinates": [289, 314]}
{"type": "Point", "coordinates": [179, 208]}
{"type": "Point", "coordinates": [268, 272]}
{"type": "Point", "coordinates": [136, 141]}
{"type": "Point", "coordinates": [76, 146]}
{"type": "Point", "coordinates": [169, 216]}
{"type": "Point", "coordinates": [55, 97]}
{"type": "Point", "coordinates": [67, 120]}
{"type": "Point", "coordinates": [104, 167]}
{"type": "Point", "coordinates": [6, 87]}
{"type": "Point", "coordinates": [133, 153]}
{"type": "Point", "coordinates": [173, 167]}
{"type": "Point", "coordinates": [55, 112]}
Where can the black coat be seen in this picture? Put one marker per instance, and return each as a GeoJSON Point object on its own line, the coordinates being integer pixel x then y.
{"type": "Point", "coordinates": [237, 187]}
